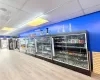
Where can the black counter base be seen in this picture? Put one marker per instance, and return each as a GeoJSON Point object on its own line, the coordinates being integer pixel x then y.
{"type": "Point", "coordinates": [80, 70]}
{"type": "Point", "coordinates": [43, 58]}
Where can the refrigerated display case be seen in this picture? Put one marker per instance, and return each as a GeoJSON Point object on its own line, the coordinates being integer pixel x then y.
{"type": "Point", "coordinates": [72, 49]}
{"type": "Point", "coordinates": [15, 43]}
{"type": "Point", "coordinates": [11, 44]}
{"type": "Point", "coordinates": [31, 46]}
{"type": "Point", "coordinates": [44, 46]}
{"type": "Point", "coordinates": [23, 44]}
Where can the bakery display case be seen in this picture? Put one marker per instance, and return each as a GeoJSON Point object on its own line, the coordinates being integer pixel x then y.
{"type": "Point", "coordinates": [71, 49]}
{"type": "Point", "coordinates": [31, 47]}
{"type": "Point", "coordinates": [44, 46]}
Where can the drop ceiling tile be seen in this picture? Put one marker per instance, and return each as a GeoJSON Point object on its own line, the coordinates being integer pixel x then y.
{"type": "Point", "coordinates": [20, 30]}
{"type": "Point", "coordinates": [63, 12]}
{"type": "Point", "coordinates": [92, 9]}
{"type": "Point", "coordinates": [19, 19]}
{"type": "Point", "coordinates": [89, 3]}
{"type": "Point", "coordinates": [42, 6]}
{"type": "Point", "coordinates": [2, 23]}
{"type": "Point", "coordinates": [76, 14]}
{"type": "Point", "coordinates": [6, 13]}
{"type": "Point", "coordinates": [14, 3]}
{"type": "Point", "coordinates": [7, 10]}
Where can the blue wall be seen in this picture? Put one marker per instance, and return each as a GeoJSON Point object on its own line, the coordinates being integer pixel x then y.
{"type": "Point", "coordinates": [90, 22]}
{"type": "Point", "coordinates": [5, 37]}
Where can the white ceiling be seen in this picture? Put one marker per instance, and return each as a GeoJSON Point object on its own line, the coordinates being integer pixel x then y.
{"type": "Point", "coordinates": [14, 13]}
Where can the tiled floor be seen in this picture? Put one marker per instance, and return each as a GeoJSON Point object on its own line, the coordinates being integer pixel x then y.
{"type": "Point", "coordinates": [19, 66]}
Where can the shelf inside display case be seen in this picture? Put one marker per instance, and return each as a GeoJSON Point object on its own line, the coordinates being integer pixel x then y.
{"type": "Point", "coordinates": [44, 47]}
{"type": "Point", "coordinates": [71, 49]}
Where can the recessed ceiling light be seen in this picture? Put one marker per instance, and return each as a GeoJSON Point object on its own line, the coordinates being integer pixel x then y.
{"type": "Point", "coordinates": [37, 22]}
{"type": "Point", "coordinates": [7, 29]}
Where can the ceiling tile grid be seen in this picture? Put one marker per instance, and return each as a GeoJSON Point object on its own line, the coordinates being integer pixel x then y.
{"type": "Point", "coordinates": [14, 3]}
{"type": "Point", "coordinates": [89, 3]}
{"type": "Point", "coordinates": [42, 5]}
{"type": "Point", "coordinates": [16, 12]}
{"type": "Point", "coordinates": [92, 9]}
{"type": "Point", "coordinates": [19, 19]}
{"type": "Point", "coordinates": [63, 12]}
{"type": "Point", "coordinates": [76, 14]}
{"type": "Point", "coordinates": [6, 13]}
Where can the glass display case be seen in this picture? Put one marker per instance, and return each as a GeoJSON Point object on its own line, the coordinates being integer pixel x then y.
{"type": "Point", "coordinates": [71, 49]}
{"type": "Point", "coordinates": [23, 44]}
{"type": "Point", "coordinates": [44, 46]}
{"type": "Point", "coordinates": [31, 48]}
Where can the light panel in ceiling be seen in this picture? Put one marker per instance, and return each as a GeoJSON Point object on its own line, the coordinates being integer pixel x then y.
{"type": "Point", "coordinates": [7, 29]}
{"type": "Point", "coordinates": [37, 22]}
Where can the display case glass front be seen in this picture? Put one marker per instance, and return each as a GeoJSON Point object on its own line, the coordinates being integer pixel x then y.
{"type": "Point", "coordinates": [71, 49]}
{"type": "Point", "coordinates": [31, 49]}
{"type": "Point", "coordinates": [44, 46]}
{"type": "Point", "coordinates": [23, 44]}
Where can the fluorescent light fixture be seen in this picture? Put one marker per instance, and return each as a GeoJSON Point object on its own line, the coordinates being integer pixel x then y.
{"type": "Point", "coordinates": [19, 27]}
{"type": "Point", "coordinates": [37, 22]}
{"type": "Point", "coordinates": [7, 29]}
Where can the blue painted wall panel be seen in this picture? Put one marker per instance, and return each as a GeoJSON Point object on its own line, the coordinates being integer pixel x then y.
{"type": "Point", "coordinates": [91, 23]}
{"type": "Point", "coordinates": [5, 37]}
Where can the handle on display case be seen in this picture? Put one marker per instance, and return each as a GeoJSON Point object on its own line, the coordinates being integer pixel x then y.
{"type": "Point", "coordinates": [36, 45]}
{"type": "Point", "coordinates": [53, 51]}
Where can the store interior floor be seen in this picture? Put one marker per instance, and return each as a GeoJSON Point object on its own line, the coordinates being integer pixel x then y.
{"type": "Point", "coordinates": [19, 66]}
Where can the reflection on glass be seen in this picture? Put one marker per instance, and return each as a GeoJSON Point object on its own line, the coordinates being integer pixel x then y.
{"type": "Point", "coordinates": [31, 46]}
{"type": "Point", "coordinates": [44, 47]}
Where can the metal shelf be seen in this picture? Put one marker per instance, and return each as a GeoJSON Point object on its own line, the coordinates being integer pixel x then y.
{"type": "Point", "coordinates": [72, 47]}
{"type": "Point", "coordinates": [70, 43]}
